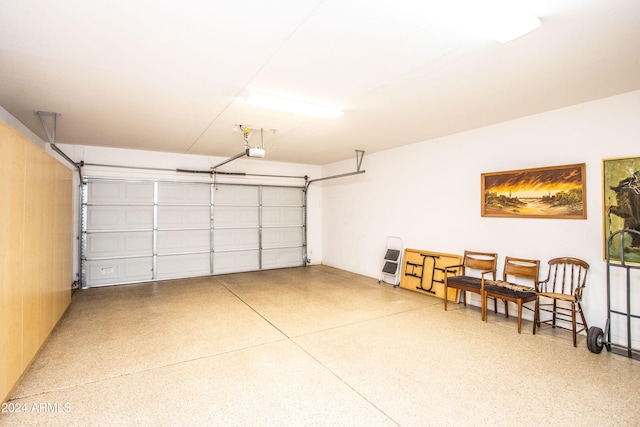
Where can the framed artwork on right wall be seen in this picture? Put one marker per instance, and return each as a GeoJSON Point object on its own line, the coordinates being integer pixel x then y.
{"type": "Point", "coordinates": [621, 205]}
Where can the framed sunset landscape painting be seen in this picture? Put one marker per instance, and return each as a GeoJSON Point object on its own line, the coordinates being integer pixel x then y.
{"type": "Point", "coordinates": [548, 192]}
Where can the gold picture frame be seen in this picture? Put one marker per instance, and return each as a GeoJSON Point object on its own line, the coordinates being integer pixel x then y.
{"type": "Point", "coordinates": [547, 192]}
{"type": "Point", "coordinates": [621, 206]}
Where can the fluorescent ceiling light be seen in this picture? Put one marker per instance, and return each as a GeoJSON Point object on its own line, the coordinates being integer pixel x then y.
{"type": "Point", "coordinates": [291, 106]}
{"type": "Point", "coordinates": [500, 20]}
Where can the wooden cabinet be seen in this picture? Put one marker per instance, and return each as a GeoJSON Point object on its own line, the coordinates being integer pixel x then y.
{"type": "Point", "coordinates": [423, 271]}
{"type": "Point", "coordinates": [35, 251]}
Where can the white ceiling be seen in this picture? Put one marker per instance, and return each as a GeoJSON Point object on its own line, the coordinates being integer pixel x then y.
{"type": "Point", "coordinates": [172, 75]}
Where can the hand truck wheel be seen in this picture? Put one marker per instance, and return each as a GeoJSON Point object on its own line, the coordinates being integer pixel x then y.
{"type": "Point", "coordinates": [595, 340]}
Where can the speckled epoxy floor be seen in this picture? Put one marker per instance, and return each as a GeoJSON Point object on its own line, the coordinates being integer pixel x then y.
{"type": "Point", "coordinates": [310, 346]}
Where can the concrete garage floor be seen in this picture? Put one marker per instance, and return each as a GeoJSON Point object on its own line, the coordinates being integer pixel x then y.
{"type": "Point", "coordinates": [310, 346]}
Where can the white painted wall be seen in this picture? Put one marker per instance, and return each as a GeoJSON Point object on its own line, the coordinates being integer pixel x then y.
{"type": "Point", "coordinates": [429, 194]}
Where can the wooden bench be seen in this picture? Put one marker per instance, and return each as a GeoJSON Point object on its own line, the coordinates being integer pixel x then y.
{"type": "Point", "coordinates": [508, 290]}
{"type": "Point", "coordinates": [481, 263]}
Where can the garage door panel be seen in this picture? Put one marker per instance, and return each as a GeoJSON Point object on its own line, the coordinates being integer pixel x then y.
{"type": "Point", "coordinates": [115, 271]}
{"type": "Point", "coordinates": [184, 217]}
{"type": "Point", "coordinates": [237, 195]}
{"type": "Point", "coordinates": [120, 192]}
{"type": "Point", "coordinates": [183, 241]}
{"type": "Point", "coordinates": [234, 216]}
{"type": "Point", "coordinates": [282, 237]}
{"type": "Point", "coordinates": [101, 218]}
{"type": "Point", "coordinates": [184, 193]}
{"type": "Point", "coordinates": [177, 266]}
{"type": "Point", "coordinates": [273, 216]}
{"type": "Point", "coordinates": [282, 196]}
{"type": "Point", "coordinates": [235, 262]}
{"type": "Point", "coordinates": [282, 258]}
{"type": "Point", "coordinates": [234, 239]}
{"type": "Point", "coordinates": [101, 245]}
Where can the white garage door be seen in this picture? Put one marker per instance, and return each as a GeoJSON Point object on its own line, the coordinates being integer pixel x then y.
{"type": "Point", "coordinates": [137, 231]}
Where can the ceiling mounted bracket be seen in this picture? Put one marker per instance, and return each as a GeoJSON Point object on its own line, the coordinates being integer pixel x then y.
{"type": "Point", "coordinates": [50, 129]}
{"type": "Point", "coordinates": [252, 151]}
{"type": "Point", "coordinates": [359, 157]}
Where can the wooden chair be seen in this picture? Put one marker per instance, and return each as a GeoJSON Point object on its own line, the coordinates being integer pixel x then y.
{"type": "Point", "coordinates": [509, 291]}
{"type": "Point", "coordinates": [480, 263]}
{"type": "Point", "coordinates": [564, 285]}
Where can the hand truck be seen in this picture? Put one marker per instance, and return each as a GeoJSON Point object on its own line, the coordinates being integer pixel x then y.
{"type": "Point", "coordinates": [598, 338]}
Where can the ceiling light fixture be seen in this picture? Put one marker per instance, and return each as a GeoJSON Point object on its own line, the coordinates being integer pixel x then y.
{"type": "Point", "coordinates": [500, 20]}
{"type": "Point", "coordinates": [292, 106]}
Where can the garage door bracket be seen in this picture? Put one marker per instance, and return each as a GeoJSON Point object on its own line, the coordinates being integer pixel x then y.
{"type": "Point", "coordinates": [50, 130]}
{"type": "Point", "coordinates": [359, 157]}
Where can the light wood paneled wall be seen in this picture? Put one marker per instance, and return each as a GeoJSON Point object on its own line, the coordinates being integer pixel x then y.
{"type": "Point", "coordinates": [35, 251]}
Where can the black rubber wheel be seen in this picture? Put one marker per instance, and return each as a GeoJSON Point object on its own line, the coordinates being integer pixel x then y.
{"type": "Point", "coordinates": [595, 337]}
